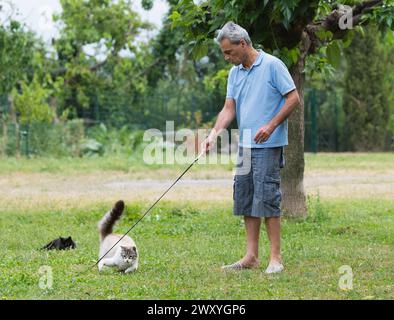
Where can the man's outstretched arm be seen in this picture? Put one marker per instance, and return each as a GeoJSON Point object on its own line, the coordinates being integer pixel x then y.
{"type": "Point", "coordinates": [225, 117]}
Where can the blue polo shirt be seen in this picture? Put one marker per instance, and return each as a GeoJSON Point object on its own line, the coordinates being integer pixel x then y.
{"type": "Point", "coordinates": [259, 95]}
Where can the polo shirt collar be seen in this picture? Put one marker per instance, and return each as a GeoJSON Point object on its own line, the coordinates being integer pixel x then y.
{"type": "Point", "coordinates": [256, 62]}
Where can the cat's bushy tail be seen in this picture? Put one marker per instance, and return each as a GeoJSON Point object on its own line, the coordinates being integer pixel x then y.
{"type": "Point", "coordinates": [107, 222]}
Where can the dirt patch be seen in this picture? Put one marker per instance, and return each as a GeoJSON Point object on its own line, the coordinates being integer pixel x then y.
{"type": "Point", "coordinates": [29, 190]}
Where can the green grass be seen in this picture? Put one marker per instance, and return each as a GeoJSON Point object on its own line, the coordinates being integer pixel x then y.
{"type": "Point", "coordinates": [121, 163]}
{"type": "Point", "coordinates": [134, 163]}
{"type": "Point", "coordinates": [354, 161]}
{"type": "Point", "coordinates": [183, 245]}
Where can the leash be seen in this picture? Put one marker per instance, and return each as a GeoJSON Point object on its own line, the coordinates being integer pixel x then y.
{"type": "Point", "coordinates": [150, 208]}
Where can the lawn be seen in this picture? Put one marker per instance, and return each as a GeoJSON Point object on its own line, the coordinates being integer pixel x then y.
{"type": "Point", "coordinates": [134, 164]}
{"type": "Point", "coordinates": [182, 244]}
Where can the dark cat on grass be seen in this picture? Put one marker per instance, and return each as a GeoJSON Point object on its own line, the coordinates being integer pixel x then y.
{"type": "Point", "coordinates": [60, 244]}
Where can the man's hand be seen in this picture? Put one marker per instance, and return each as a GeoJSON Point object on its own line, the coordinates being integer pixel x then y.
{"type": "Point", "coordinates": [264, 133]}
{"type": "Point", "coordinates": [208, 144]}
{"type": "Point", "coordinates": [292, 101]}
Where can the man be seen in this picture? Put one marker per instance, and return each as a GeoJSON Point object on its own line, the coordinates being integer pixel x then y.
{"type": "Point", "coordinates": [261, 94]}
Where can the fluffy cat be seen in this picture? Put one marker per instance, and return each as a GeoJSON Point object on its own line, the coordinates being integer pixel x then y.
{"type": "Point", "coordinates": [124, 255]}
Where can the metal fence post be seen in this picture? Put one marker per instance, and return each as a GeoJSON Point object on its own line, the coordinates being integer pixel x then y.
{"type": "Point", "coordinates": [336, 144]}
{"type": "Point", "coordinates": [313, 121]}
{"type": "Point", "coordinates": [25, 136]}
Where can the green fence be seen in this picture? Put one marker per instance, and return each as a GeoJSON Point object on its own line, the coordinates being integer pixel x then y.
{"type": "Point", "coordinates": [63, 139]}
{"type": "Point", "coordinates": [325, 130]}
{"type": "Point", "coordinates": [324, 122]}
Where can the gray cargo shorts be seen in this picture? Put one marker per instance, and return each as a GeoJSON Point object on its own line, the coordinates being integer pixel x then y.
{"type": "Point", "coordinates": [256, 189]}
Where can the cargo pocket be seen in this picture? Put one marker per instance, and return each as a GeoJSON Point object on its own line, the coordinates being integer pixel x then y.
{"type": "Point", "coordinates": [282, 159]}
{"type": "Point", "coordinates": [234, 188]}
{"type": "Point", "coordinates": [271, 190]}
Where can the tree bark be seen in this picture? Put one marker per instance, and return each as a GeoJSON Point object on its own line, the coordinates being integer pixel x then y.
{"type": "Point", "coordinates": [16, 126]}
{"type": "Point", "coordinates": [53, 106]}
{"type": "Point", "coordinates": [294, 199]}
{"type": "Point", "coordinates": [3, 144]}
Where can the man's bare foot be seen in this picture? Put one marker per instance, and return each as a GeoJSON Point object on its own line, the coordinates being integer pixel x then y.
{"type": "Point", "coordinates": [274, 267]}
{"type": "Point", "coordinates": [250, 262]}
{"type": "Point", "coordinates": [276, 260]}
{"type": "Point", "coordinates": [244, 263]}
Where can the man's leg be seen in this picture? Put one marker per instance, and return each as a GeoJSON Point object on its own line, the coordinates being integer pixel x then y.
{"type": "Point", "coordinates": [273, 231]}
{"type": "Point", "coordinates": [252, 226]}
{"type": "Point", "coordinates": [250, 260]}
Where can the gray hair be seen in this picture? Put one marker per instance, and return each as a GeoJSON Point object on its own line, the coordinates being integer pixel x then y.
{"type": "Point", "coordinates": [233, 32]}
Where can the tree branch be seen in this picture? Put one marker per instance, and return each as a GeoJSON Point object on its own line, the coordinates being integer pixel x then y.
{"type": "Point", "coordinates": [331, 22]}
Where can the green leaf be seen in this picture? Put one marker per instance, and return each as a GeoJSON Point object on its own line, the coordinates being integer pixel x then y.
{"type": "Point", "coordinates": [361, 30]}
{"type": "Point", "coordinates": [254, 16]}
{"type": "Point", "coordinates": [323, 34]}
{"type": "Point", "coordinates": [389, 21]}
{"type": "Point", "coordinates": [334, 54]}
{"type": "Point", "coordinates": [215, 26]}
{"type": "Point", "coordinates": [294, 55]}
{"type": "Point", "coordinates": [199, 50]}
{"type": "Point", "coordinates": [14, 25]}
{"type": "Point", "coordinates": [347, 40]}
{"type": "Point", "coordinates": [175, 16]}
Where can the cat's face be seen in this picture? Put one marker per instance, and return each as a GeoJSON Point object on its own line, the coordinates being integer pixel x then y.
{"type": "Point", "coordinates": [67, 242]}
{"type": "Point", "coordinates": [129, 254]}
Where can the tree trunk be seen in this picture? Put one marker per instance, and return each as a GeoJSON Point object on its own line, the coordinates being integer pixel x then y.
{"type": "Point", "coordinates": [53, 106]}
{"type": "Point", "coordinates": [294, 200]}
{"type": "Point", "coordinates": [16, 126]}
{"type": "Point", "coordinates": [4, 135]}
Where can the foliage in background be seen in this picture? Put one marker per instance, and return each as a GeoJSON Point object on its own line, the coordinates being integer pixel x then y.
{"type": "Point", "coordinates": [31, 104]}
{"type": "Point", "coordinates": [95, 49]}
{"type": "Point", "coordinates": [71, 139]}
{"type": "Point", "coordinates": [366, 100]}
{"type": "Point", "coordinates": [17, 50]}
{"type": "Point", "coordinates": [98, 72]}
{"type": "Point", "coordinates": [279, 26]}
